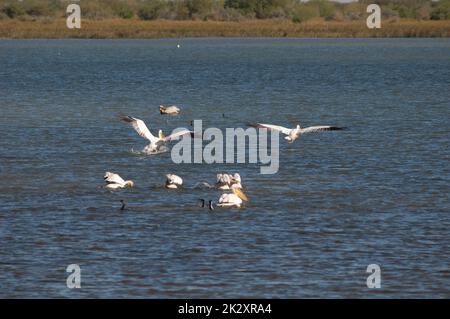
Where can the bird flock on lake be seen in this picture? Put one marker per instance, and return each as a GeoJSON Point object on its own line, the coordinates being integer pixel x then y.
{"type": "Point", "coordinates": [231, 184]}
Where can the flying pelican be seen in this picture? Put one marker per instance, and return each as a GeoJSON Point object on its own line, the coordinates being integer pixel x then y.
{"type": "Point", "coordinates": [173, 181]}
{"type": "Point", "coordinates": [295, 133]}
{"type": "Point", "coordinates": [156, 143]}
{"type": "Point", "coordinates": [228, 181]}
{"type": "Point", "coordinates": [114, 181]}
{"type": "Point", "coordinates": [171, 110]}
{"type": "Point", "coordinates": [234, 199]}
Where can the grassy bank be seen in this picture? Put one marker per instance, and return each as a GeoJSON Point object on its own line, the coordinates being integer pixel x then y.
{"type": "Point", "coordinates": [134, 28]}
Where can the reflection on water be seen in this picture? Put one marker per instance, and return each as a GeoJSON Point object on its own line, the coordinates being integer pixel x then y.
{"type": "Point", "coordinates": [377, 193]}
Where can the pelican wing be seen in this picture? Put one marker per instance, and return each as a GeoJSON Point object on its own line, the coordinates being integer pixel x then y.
{"type": "Point", "coordinates": [223, 178]}
{"type": "Point", "coordinates": [174, 179]}
{"type": "Point", "coordinates": [321, 128]}
{"type": "Point", "coordinates": [172, 109]}
{"type": "Point", "coordinates": [111, 178]}
{"type": "Point", "coordinates": [284, 130]}
{"type": "Point", "coordinates": [140, 127]}
{"type": "Point", "coordinates": [229, 200]}
{"type": "Point", "coordinates": [169, 109]}
{"type": "Point", "coordinates": [177, 135]}
{"type": "Point", "coordinates": [225, 198]}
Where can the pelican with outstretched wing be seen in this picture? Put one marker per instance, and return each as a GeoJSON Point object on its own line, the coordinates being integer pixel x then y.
{"type": "Point", "coordinates": [295, 133]}
{"type": "Point", "coordinates": [156, 143]}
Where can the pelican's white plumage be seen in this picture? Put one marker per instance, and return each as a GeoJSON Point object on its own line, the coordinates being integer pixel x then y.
{"type": "Point", "coordinates": [228, 181]}
{"type": "Point", "coordinates": [234, 199]}
{"type": "Point", "coordinates": [171, 110]}
{"type": "Point", "coordinates": [296, 132]}
{"type": "Point", "coordinates": [156, 143]}
{"type": "Point", "coordinates": [114, 181]}
{"type": "Point", "coordinates": [175, 136]}
{"type": "Point", "coordinates": [173, 181]}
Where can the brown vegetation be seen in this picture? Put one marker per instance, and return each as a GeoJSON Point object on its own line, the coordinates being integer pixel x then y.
{"type": "Point", "coordinates": [220, 18]}
{"type": "Point", "coordinates": [133, 28]}
{"type": "Point", "coordinates": [226, 10]}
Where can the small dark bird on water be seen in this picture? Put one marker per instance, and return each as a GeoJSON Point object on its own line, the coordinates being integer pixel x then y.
{"type": "Point", "coordinates": [210, 204]}
{"type": "Point", "coordinates": [123, 204]}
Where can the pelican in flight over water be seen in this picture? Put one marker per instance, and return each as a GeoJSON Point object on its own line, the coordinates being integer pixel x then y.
{"type": "Point", "coordinates": [234, 199]}
{"type": "Point", "coordinates": [156, 143]}
{"type": "Point", "coordinates": [171, 110]}
{"type": "Point", "coordinates": [114, 181]}
{"type": "Point", "coordinates": [173, 181]}
{"type": "Point", "coordinates": [228, 181]}
{"type": "Point", "coordinates": [295, 133]}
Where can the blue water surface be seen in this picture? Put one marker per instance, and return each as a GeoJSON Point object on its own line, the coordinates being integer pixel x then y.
{"type": "Point", "coordinates": [377, 193]}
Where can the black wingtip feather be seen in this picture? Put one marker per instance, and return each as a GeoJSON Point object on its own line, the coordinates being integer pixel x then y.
{"type": "Point", "coordinates": [125, 118]}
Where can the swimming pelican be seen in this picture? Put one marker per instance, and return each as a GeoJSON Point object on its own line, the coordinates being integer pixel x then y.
{"type": "Point", "coordinates": [173, 181]}
{"type": "Point", "coordinates": [171, 110]}
{"type": "Point", "coordinates": [295, 133]}
{"type": "Point", "coordinates": [234, 199]}
{"type": "Point", "coordinates": [228, 181]}
{"type": "Point", "coordinates": [156, 143]}
{"type": "Point", "coordinates": [114, 181]}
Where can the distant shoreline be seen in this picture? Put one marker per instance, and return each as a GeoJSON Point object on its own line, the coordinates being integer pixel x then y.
{"type": "Point", "coordinates": [133, 28]}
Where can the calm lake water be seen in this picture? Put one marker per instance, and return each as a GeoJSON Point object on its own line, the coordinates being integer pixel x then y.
{"type": "Point", "coordinates": [377, 193]}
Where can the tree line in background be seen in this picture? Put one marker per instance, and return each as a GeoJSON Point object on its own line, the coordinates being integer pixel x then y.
{"type": "Point", "coordinates": [226, 10]}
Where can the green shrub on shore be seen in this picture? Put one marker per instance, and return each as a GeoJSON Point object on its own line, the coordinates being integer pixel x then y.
{"type": "Point", "coordinates": [37, 8]}
{"type": "Point", "coordinates": [151, 11]}
{"type": "Point", "coordinates": [304, 13]}
{"type": "Point", "coordinates": [13, 10]}
{"type": "Point", "coordinates": [122, 9]}
{"type": "Point", "coordinates": [228, 10]}
{"type": "Point", "coordinates": [441, 10]}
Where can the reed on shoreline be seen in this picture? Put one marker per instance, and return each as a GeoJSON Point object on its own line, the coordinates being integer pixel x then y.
{"type": "Point", "coordinates": [134, 28]}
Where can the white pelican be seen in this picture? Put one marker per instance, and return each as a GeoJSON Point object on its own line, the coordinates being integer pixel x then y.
{"type": "Point", "coordinates": [171, 110]}
{"type": "Point", "coordinates": [234, 199]}
{"type": "Point", "coordinates": [295, 133]}
{"type": "Point", "coordinates": [156, 143]}
{"type": "Point", "coordinates": [228, 181]}
{"type": "Point", "coordinates": [173, 181]}
{"type": "Point", "coordinates": [114, 181]}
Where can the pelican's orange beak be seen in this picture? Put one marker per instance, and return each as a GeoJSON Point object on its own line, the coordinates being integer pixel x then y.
{"type": "Point", "coordinates": [240, 194]}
